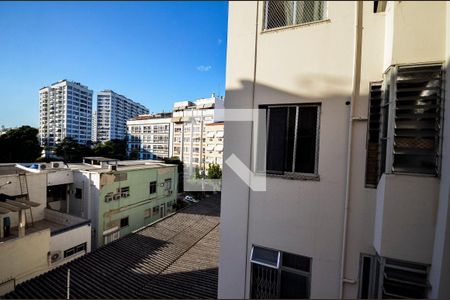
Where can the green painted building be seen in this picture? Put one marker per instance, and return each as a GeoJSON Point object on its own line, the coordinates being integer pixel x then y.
{"type": "Point", "coordinates": [120, 197]}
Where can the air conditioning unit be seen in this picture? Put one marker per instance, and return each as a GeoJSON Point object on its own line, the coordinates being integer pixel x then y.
{"type": "Point", "coordinates": [108, 199]}
{"type": "Point", "coordinates": [55, 165]}
{"type": "Point", "coordinates": [55, 256]}
{"type": "Point", "coordinates": [116, 196]}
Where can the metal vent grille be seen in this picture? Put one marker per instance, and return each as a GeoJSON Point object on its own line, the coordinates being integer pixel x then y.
{"type": "Point", "coordinates": [373, 139]}
{"type": "Point", "coordinates": [417, 119]}
{"type": "Point", "coordinates": [287, 13]}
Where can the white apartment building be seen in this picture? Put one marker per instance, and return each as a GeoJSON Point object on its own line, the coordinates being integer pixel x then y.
{"type": "Point", "coordinates": [37, 233]}
{"type": "Point", "coordinates": [94, 126]}
{"type": "Point", "coordinates": [357, 160]}
{"type": "Point", "coordinates": [113, 112]}
{"type": "Point", "coordinates": [190, 120]}
{"type": "Point", "coordinates": [213, 152]}
{"type": "Point", "coordinates": [65, 111]}
{"type": "Point", "coordinates": [151, 136]}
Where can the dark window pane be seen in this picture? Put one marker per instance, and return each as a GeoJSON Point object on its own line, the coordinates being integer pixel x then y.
{"type": "Point", "coordinates": [305, 160]}
{"type": "Point", "coordinates": [124, 222]}
{"type": "Point", "coordinates": [293, 286]}
{"type": "Point", "coordinates": [290, 139]}
{"type": "Point", "coordinates": [296, 262]}
{"type": "Point", "coordinates": [365, 277]}
{"type": "Point", "coordinates": [78, 193]}
{"type": "Point", "coordinates": [276, 141]}
{"type": "Point", "coordinates": [265, 256]}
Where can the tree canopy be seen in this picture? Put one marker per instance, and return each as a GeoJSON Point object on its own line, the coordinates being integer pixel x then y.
{"type": "Point", "coordinates": [214, 171]}
{"type": "Point", "coordinates": [112, 149]}
{"type": "Point", "coordinates": [20, 145]}
{"type": "Point", "coordinates": [71, 151]}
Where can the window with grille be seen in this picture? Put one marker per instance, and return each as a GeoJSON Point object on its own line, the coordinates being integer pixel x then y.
{"type": "Point", "coordinates": [407, 112]}
{"type": "Point", "coordinates": [292, 139]}
{"type": "Point", "coordinates": [287, 13]}
{"type": "Point", "coordinates": [281, 275]}
{"type": "Point", "coordinates": [385, 278]}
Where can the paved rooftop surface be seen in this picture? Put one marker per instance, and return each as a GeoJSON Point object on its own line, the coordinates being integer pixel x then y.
{"type": "Point", "coordinates": [174, 258]}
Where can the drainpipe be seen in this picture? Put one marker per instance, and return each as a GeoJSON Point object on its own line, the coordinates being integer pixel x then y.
{"type": "Point", "coordinates": [255, 60]}
{"type": "Point", "coordinates": [356, 78]}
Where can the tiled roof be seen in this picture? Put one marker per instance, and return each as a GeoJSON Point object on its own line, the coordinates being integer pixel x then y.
{"type": "Point", "coordinates": [174, 258]}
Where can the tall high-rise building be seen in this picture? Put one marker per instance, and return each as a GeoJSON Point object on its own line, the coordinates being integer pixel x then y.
{"type": "Point", "coordinates": [65, 111]}
{"type": "Point", "coordinates": [113, 111]}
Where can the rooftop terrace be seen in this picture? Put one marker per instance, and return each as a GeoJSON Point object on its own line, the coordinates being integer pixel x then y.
{"type": "Point", "coordinates": [176, 257]}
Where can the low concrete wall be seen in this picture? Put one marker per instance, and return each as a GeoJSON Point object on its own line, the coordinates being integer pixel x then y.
{"type": "Point", "coordinates": [59, 177]}
{"type": "Point", "coordinates": [23, 258]}
{"type": "Point", "coordinates": [62, 218]}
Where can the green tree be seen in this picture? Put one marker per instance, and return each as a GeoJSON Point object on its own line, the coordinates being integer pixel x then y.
{"type": "Point", "coordinates": [214, 171]}
{"type": "Point", "coordinates": [20, 145]}
{"type": "Point", "coordinates": [112, 149]}
{"type": "Point", "coordinates": [134, 154]}
{"type": "Point", "coordinates": [71, 151]}
{"type": "Point", "coordinates": [197, 173]}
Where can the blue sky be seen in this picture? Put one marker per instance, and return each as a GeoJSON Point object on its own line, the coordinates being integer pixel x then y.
{"type": "Point", "coordinates": [155, 53]}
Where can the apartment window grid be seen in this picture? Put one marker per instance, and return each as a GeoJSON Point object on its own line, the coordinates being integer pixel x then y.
{"type": "Point", "coordinates": [279, 14]}
{"type": "Point", "coordinates": [293, 140]}
{"type": "Point", "coordinates": [410, 122]}
{"type": "Point", "coordinates": [279, 275]}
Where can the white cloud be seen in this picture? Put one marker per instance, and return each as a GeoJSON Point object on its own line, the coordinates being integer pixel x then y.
{"type": "Point", "coordinates": [203, 68]}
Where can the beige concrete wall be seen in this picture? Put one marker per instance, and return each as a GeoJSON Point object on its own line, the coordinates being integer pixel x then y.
{"type": "Point", "coordinates": [417, 32]}
{"type": "Point", "coordinates": [234, 204]}
{"type": "Point", "coordinates": [406, 217]}
{"type": "Point", "coordinates": [24, 258]}
{"type": "Point", "coordinates": [440, 269]}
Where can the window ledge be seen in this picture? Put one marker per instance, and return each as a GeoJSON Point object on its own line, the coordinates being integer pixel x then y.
{"type": "Point", "coordinates": [302, 177]}
{"type": "Point", "coordinates": [295, 26]}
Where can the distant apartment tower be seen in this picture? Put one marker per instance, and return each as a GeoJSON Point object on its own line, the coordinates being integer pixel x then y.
{"type": "Point", "coordinates": [151, 136]}
{"type": "Point", "coordinates": [113, 111]}
{"type": "Point", "coordinates": [94, 126]}
{"type": "Point", "coordinates": [191, 118]}
{"type": "Point", "coordinates": [65, 111]}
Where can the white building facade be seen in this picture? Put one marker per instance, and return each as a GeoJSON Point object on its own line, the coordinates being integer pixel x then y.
{"type": "Point", "coordinates": [65, 111]}
{"type": "Point", "coordinates": [94, 126]}
{"type": "Point", "coordinates": [356, 201]}
{"type": "Point", "coordinates": [190, 120]}
{"type": "Point", "coordinates": [151, 136]}
{"type": "Point", "coordinates": [113, 111]}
